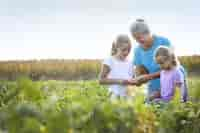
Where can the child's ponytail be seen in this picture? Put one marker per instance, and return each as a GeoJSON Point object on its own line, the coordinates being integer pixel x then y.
{"type": "Point", "coordinates": [175, 61]}
{"type": "Point", "coordinates": [113, 49]}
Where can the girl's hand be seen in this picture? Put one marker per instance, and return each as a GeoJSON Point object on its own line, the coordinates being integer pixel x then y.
{"type": "Point", "coordinates": [126, 82]}
{"type": "Point", "coordinates": [133, 82]}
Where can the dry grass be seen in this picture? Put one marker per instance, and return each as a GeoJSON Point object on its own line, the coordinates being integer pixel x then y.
{"type": "Point", "coordinates": [69, 69]}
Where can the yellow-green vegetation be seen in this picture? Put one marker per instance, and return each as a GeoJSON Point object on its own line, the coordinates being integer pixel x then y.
{"type": "Point", "coordinates": [50, 69]}
{"type": "Point", "coordinates": [85, 107]}
{"type": "Point", "coordinates": [192, 63]}
{"type": "Point", "coordinates": [69, 69]}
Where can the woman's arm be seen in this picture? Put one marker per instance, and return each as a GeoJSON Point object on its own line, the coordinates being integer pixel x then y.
{"type": "Point", "coordinates": [153, 75]}
{"type": "Point", "coordinates": [144, 76]}
{"type": "Point", "coordinates": [104, 80]}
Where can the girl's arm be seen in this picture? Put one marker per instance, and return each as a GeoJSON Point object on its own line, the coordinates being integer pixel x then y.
{"type": "Point", "coordinates": [104, 80]}
{"type": "Point", "coordinates": [183, 90]}
{"type": "Point", "coordinates": [180, 82]}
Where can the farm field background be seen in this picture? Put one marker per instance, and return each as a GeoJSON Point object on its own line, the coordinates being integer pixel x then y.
{"type": "Point", "coordinates": [70, 69]}
{"type": "Point", "coordinates": [59, 96]}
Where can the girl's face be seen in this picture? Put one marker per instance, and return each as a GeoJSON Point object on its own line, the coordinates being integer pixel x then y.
{"type": "Point", "coordinates": [123, 52]}
{"type": "Point", "coordinates": [165, 64]}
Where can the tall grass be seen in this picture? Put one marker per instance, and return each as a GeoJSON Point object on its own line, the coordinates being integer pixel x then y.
{"type": "Point", "coordinates": [50, 69]}
{"type": "Point", "coordinates": [69, 69]}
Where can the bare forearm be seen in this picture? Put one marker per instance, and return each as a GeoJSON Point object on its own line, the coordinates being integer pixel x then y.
{"type": "Point", "coordinates": [154, 75]}
{"type": "Point", "coordinates": [146, 77]}
{"type": "Point", "coordinates": [183, 89]}
{"type": "Point", "coordinates": [111, 81]}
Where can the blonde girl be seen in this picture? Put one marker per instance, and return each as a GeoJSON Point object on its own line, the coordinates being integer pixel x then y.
{"type": "Point", "coordinates": [172, 74]}
{"type": "Point", "coordinates": [117, 70]}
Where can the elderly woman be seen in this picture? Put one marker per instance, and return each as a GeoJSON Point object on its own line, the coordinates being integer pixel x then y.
{"type": "Point", "coordinates": [144, 56]}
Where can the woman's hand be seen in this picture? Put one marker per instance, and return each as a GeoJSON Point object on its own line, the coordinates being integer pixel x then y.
{"type": "Point", "coordinates": [138, 80]}
{"type": "Point", "coordinates": [143, 78]}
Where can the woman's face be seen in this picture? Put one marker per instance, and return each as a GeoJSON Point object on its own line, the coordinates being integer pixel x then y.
{"type": "Point", "coordinates": [143, 39]}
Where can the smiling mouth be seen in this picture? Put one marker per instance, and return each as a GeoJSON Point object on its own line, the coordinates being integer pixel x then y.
{"type": "Point", "coordinates": [142, 42]}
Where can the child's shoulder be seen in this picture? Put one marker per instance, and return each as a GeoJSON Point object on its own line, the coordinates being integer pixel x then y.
{"type": "Point", "coordinates": [183, 70]}
{"type": "Point", "coordinates": [174, 70]}
{"type": "Point", "coordinates": [130, 62]}
{"type": "Point", "coordinates": [178, 71]}
{"type": "Point", "coordinates": [110, 58]}
{"type": "Point", "coordinates": [108, 61]}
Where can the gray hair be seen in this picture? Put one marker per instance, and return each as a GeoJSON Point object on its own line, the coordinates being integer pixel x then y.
{"type": "Point", "coordinates": [139, 26]}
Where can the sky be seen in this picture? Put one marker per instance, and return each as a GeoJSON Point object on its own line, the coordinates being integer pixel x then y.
{"type": "Point", "coordinates": [74, 29]}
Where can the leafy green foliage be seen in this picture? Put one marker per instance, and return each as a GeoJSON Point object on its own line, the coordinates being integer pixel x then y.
{"type": "Point", "coordinates": [85, 107]}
